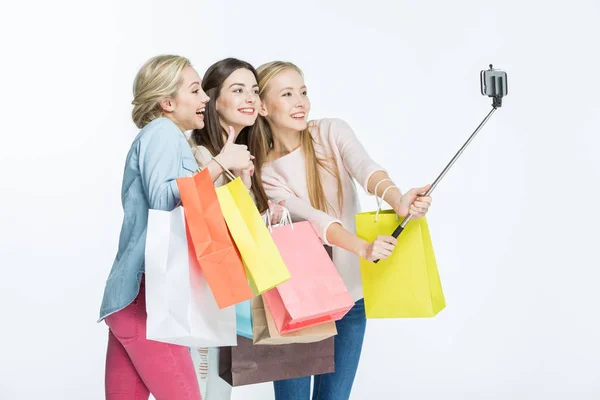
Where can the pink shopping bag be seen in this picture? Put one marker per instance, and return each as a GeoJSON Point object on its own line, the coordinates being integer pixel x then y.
{"type": "Point", "coordinates": [316, 293]}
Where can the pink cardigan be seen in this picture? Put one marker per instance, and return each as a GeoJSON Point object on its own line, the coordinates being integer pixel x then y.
{"type": "Point", "coordinates": [285, 179]}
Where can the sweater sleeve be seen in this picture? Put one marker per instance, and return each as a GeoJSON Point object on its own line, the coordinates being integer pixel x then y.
{"type": "Point", "coordinates": [300, 209]}
{"type": "Point", "coordinates": [354, 156]}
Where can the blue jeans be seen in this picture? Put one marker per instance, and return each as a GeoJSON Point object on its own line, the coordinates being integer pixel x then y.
{"type": "Point", "coordinates": [337, 385]}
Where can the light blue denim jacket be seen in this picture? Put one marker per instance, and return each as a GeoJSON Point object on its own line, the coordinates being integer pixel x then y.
{"type": "Point", "coordinates": [159, 155]}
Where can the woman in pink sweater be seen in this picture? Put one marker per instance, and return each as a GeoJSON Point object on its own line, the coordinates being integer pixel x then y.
{"type": "Point", "coordinates": [312, 167]}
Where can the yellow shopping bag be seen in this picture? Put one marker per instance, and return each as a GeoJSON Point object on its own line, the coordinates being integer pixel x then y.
{"type": "Point", "coordinates": [264, 265]}
{"type": "Point", "coordinates": [406, 284]}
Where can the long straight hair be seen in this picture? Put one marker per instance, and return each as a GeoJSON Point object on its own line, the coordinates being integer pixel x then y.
{"type": "Point", "coordinates": [212, 135]}
{"type": "Point", "coordinates": [316, 161]}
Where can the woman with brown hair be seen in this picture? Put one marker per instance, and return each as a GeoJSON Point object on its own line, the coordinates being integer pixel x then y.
{"type": "Point", "coordinates": [231, 114]}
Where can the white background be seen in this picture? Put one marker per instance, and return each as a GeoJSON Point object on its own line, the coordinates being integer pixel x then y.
{"type": "Point", "coordinates": [514, 224]}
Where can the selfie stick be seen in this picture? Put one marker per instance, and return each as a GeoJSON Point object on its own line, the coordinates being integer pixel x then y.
{"type": "Point", "coordinates": [493, 84]}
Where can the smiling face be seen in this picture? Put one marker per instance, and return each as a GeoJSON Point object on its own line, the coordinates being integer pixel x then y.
{"type": "Point", "coordinates": [186, 108]}
{"type": "Point", "coordinates": [285, 102]}
{"type": "Point", "coordinates": [238, 102]}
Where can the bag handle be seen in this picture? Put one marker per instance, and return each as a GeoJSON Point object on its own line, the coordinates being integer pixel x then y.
{"type": "Point", "coordinates": [380, 200]}
{"type": "Point", "coordinates": [225, 170]}
{"type": "Point", "coordinates": [286, 219]}
{"type": "Point", "coordinates": [377, 187]}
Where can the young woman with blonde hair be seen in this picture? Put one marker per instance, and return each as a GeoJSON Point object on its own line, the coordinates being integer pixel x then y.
{"type": "Point", "coordinates": [312, 167]}
{"type": "Point", "coordinates": [168, 100]}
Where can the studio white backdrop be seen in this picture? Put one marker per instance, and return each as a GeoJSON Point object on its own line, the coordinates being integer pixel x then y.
{"type": "Point", "coordinates": [514, 224]}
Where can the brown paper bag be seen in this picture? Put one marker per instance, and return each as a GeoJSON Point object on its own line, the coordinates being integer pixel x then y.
{"type": "Point", "coordinates": [265, 331]}
{"type": "Point", "coordinates": [247, 363]}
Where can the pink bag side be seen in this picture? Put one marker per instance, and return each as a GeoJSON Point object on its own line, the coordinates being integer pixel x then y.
{"type": "Point", "coordinates": [316, 292]}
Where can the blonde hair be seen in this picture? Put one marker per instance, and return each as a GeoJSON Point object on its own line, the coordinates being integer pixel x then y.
{"type": "Point", "coordinates": [159, 78]}
{"type": "Point", "coordinates": [313, 158]}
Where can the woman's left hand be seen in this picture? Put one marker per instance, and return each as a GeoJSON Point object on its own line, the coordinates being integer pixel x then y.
{"type": "Point", "coordinates": [276, 212]}
{"type": "Point", "coordinates": [414, 202]}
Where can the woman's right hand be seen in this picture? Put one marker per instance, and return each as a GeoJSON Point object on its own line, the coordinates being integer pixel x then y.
{"type": "Point", "coordinates": [235, 157]}
{"type": "Point", "coordinates": [379, 249]}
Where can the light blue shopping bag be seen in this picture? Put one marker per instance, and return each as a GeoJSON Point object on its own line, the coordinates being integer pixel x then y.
{"type": "Point", "coordinates": [243, 314]}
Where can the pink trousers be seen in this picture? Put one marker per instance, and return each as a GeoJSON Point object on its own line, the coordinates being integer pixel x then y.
{"type": "Point", "coordinates": [136, 367]}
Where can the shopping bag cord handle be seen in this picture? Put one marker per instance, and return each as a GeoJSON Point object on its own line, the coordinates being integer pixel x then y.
{"type": "Point", "coordinates": [380, 202]}
{"type": "Point", "coordinates": [225, 170]}
{"type": "Point", "coordinates": [285, 217]}
{"type": "Point", "coordinates": [377, 187]}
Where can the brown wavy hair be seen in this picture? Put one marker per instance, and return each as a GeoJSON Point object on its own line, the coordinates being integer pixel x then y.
{"type": "Point", "coordinates": [213, 133]}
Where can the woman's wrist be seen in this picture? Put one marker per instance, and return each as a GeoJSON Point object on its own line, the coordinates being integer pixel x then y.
{"type": "Point", "coordinates": [215, 169]}
{"type": "Point", "coordinates": [400, 209]}
{"type": "Point", "coordinates": [220, 161]}
{"type": "Point", "coordinates": [392, 196]}
{"type": "Point", "coordinates": [362, 248]}
{"type": "Point", "coordinates": [337, 236]}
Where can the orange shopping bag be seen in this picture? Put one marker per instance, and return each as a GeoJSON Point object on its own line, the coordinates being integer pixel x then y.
{"type": "Point", "coordinates": [217, 255]}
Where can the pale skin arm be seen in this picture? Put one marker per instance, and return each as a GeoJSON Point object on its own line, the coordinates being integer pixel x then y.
{"type": "Point", "coordinates": [412, 202]}
{"type": "Point", "coordinates": [214, 169]}
{"type": "Point", "coordinates": [381, 248]}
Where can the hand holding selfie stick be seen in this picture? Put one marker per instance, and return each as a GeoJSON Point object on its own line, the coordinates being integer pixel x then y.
{"type": "Point", "coordinates": [494, 84]}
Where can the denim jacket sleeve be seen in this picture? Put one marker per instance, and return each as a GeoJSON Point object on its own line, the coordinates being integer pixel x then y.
{"type": "Point", "coordinates": [159, 164]}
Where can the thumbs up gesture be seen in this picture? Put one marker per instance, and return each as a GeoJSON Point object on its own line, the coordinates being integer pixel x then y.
{"type": "Point", "coordinates": [235, 157]}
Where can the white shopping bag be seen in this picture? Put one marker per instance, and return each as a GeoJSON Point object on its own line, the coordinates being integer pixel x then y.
{"type": "Point", "coordinates": [180, 305]}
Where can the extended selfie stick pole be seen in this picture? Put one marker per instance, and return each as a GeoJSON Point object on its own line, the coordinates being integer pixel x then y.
{"type": "Point", "coordinates": [493, 84]}
{"type": "Point", "coordinates": [401, 227]}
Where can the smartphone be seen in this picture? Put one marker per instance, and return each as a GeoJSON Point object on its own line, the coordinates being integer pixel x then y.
{"type": "Point", "coordinates": [494, 83]}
